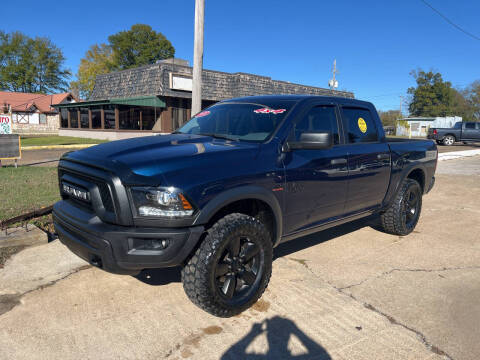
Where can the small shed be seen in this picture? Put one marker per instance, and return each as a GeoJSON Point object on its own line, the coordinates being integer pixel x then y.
{"type": "Point", "coordinates": [418, 126]}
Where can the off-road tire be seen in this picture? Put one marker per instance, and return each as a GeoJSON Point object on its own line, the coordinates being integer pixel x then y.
{"type": "Point", "coordinates": [393, 220]}
{"type": "Point", "coordinates": [198, 275]}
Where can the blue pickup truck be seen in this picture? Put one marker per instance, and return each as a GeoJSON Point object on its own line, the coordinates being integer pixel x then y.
{"type": "Point", "coordinates": [242, 176]}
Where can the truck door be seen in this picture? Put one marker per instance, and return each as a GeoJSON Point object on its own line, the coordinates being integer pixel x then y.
{"type": "Point", "coordinates": [316, 180]}
{"type": "Point", "coordinates": [470, 131]}
{"type": "Point", "coordinates": [368, 160]}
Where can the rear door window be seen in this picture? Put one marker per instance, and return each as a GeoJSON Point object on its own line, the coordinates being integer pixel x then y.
{"type": "Point", "coordinates": [470, 126]}
{"type": "Point", "coordinates": [359, 125]}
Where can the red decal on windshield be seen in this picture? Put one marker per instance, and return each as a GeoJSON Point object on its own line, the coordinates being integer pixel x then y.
{"type": "Point", "coordinates": [203, 113]}
{"type": "Point", "coordinates": [269, 111]}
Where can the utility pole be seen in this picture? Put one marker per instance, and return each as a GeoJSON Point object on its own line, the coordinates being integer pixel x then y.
{"type": "Point", "coordinates": [198, 57]}
{"type": "Point", "coordinates": [401, 101]}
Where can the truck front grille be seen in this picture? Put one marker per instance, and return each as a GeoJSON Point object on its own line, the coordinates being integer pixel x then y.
{"type": "Point", "coordinates": [83, 180]}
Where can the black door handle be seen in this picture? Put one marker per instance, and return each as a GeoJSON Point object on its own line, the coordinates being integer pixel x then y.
{"type": "Point", "coordinates": [383, 156]}
{"type": "Point", "coordinates": [340, 161]}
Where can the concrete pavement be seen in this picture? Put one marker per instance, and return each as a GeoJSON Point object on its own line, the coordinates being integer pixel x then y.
{"type": "Point", "coordinates": [347, 293]}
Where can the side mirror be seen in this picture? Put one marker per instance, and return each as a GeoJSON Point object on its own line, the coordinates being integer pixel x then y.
{"type": "Point", "coordinates": [312, 141]}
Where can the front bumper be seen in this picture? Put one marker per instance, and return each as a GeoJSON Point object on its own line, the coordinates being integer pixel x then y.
{"type": "Point", "coordinates": [120, 249]}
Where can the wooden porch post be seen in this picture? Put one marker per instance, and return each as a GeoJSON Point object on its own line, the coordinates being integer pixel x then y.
{"type": "Point", "coordinates": [89, 118]}
{"type": "Point", "coordinates": [117, 118]}
{"type": "Point", "coordinates": [102, 118]}
{"type": "Point", "coordinates": [79, 123]}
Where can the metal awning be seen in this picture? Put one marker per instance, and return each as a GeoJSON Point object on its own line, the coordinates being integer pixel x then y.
{"type": "Point", "coordinates": [152, 101]}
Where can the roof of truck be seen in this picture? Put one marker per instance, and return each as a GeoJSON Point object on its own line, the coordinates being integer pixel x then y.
{"type": "Point", "coordinates": [260, 98]}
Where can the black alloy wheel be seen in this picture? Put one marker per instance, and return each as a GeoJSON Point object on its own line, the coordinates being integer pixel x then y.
{"type": "Point", "coordinates": [239, 269]}
{"type": "Point", "coordinates": [411, 207]}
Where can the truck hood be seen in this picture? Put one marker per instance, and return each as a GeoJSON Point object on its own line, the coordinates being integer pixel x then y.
{"type": "Point", "coordinates": [156, 156]}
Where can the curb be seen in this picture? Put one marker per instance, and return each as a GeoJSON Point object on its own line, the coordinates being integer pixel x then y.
{"type": "Point", "coordinates": [72, 146]}
{"type": "Point", "coordinates": [457, 154]}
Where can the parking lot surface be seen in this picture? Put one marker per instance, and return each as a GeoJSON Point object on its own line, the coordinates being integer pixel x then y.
{"type": "Point", "coordinates": [346, 293]}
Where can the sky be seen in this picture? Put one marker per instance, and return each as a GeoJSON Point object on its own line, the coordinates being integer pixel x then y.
{"type": "Point", "coordinates": [376, 43]}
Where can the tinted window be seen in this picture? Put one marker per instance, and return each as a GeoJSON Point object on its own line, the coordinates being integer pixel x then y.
{"type": "Point", "coordinates": [470, 126]}
{"type": "Point", "coordinates": [360, 126]}
{"type": "Point", "coordinates": [458, 125]}
{"type": "Point", "coordinates": [238, 121]}
{"type": "Point", "coordinates": [318, 119]}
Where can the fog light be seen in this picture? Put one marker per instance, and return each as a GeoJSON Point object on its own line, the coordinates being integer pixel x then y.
{"type": "Point", "coordinates": [150, 244]}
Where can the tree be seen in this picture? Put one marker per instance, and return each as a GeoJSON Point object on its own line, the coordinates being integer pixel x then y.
{"type": "Point", "coordinates": [390, 117]}
{"type": "Point", "coordinates": [141, 45]}
{"type": "Point", "coordinates": [31, 65]}
{"type": "Point", "coordinates": [98, 60]}
{"type": "Point", "coordinates": [432, 96]}
{"type": "Point", "coordinates": [138, 46]}
{"type": "Point", "coordinates": [472, 97]}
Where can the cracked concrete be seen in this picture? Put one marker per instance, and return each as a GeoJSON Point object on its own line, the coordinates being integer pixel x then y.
{"type": "Point", "coordinates": [407, 270]}
{"type": "Point", "coordinates": [434, 349]}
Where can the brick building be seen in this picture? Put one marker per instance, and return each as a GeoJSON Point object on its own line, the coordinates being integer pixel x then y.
{"type": "Point", "coordinates": [33, 113]}
{"type": "Point", "coordinates": [157, 98]}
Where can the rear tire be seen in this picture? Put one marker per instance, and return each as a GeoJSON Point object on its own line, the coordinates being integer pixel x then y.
{"type": "Point", "coordinates": [231, 268]}
{"type": "Point", "coordinates": [403, 214]}
{"type": "Point", "coordinates": [449, 140]}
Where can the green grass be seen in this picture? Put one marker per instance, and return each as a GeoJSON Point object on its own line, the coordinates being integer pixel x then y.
{"type": "Point", "coordinates": [26, 189]}
{"type": "Point", "coordinates": [58, 140]}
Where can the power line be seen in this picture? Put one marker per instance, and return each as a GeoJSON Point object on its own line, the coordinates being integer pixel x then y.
{"type": "Point", "coordinates": [450, 21]}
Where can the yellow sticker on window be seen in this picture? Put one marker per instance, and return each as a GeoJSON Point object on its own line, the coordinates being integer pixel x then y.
{"type": "Point", "coordinates": [362, 125]}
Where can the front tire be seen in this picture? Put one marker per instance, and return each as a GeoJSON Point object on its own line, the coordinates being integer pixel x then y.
{"type": "Point", "coordinates": [403, 214]}
{"type": "Point", "coordinates": [232, 267]}
{"type": "Point", "coordinates": [449, 140]}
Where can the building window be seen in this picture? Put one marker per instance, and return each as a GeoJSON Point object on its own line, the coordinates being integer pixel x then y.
{"type": "Point", "coordinates": [21, 118]}
{"type": "Point", "coordinates": [179, 117]}
{"type": "Point", "coordinates": [96, 117]}
{"type": "Point", "coordinates": [63, 118]}
{"type": "Point", "coordinates": [109, 116]}
{"type": "Point", "coordinates": [43, 119]}
{"type": "Point", "coordinates": [73, 118]}
{"type": "Point", "coordinates": [84, 123]}
{"type": "Point", "coordinates": [129, 118]}
{"type": "Point", "coordinates": [148, 117]}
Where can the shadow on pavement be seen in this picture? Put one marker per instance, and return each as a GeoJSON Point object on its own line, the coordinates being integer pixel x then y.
{"type": "Point", "coordinates": [157, 277]}
{"type": "Point", "coordinates": [278, 331]}
{"type": "Point", "coordinates": [166, 276]}
{"type": "Point", "coordinates": [302, 243]}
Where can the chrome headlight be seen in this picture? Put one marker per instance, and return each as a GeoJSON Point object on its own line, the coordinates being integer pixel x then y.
{"type": "Point", "coordinates": [160, 202]}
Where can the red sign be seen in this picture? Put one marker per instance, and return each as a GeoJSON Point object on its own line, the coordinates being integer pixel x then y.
{"type": "Point", "coordinates": [5, 124]}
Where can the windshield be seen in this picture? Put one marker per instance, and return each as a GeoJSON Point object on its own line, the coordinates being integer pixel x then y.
{"type": "Point", "coordinates": [238, 121]}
